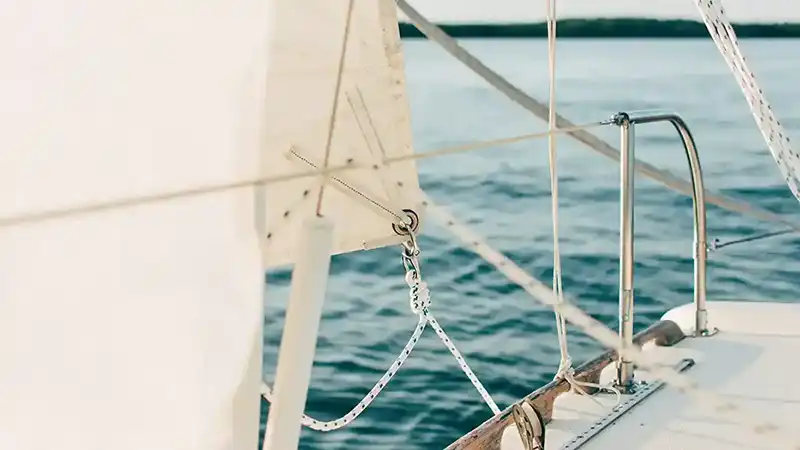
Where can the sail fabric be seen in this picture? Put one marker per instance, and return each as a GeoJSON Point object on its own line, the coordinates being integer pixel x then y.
{"type": "Point", "coordinates": [778, 141]}
{"type": "Point", "coordinates": [371, 124]}
{"type": "Point", "coordinates": [133, 328]}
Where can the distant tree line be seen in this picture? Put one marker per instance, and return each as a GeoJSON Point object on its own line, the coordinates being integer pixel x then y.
{"type": "Point", "coordinates": [606, 28]}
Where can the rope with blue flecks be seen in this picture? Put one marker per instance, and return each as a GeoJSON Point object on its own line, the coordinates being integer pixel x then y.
{"type": "Point", "coordinates": [420, 301]}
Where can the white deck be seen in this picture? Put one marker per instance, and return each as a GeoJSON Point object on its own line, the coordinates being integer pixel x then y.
{"type": "Point", "coordinates": [752, 362]}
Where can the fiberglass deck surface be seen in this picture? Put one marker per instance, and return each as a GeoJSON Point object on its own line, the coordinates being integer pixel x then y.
{"type": "Point", "coordinates": [751, 362]}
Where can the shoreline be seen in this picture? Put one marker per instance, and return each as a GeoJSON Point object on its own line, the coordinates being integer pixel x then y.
{"type": "Point", "coordinates": [616, 28]}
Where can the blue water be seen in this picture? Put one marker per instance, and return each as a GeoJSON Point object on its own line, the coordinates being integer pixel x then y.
{"type": "Point", "coordinates": [503, 193]}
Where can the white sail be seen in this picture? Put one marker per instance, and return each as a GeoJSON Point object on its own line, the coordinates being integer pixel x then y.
{"type": "Point", "coordinates": [132, 328]}
{"type": "Point", "coordinates": [372, 124]}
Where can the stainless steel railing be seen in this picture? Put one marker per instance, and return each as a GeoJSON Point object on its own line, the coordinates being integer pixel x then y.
{"type": "Point", "coordinates": [627, 124]}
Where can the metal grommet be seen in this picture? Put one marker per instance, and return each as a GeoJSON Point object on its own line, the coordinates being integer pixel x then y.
{"type": "Point", "coordinates": [402, 230]}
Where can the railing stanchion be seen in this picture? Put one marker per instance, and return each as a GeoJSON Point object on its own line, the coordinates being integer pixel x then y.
{"type": "Point", "coordinates": [626, 122]}
{"type": "Point", "coordinates": [624, 379]}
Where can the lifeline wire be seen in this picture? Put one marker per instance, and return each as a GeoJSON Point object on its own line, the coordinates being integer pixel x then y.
{"type": "Point", "coordinates": [718, 245]}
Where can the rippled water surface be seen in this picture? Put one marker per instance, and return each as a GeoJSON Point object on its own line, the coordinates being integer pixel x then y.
{"type": "Point", "coordinates": [503, 193]}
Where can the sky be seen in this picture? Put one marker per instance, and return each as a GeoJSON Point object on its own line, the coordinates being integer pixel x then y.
{"type": "Point", "coordinates": [534, 10]}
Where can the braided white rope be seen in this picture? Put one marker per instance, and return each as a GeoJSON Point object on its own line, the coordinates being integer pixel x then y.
{"type": "Point", "coordinates": [779, 437]}
{"type": "Point", "coordinates": [771, 129]}
{"type": "Point", "coordinates": [419, 289]}
{"type": "Point", "coordinates": [419, 301]}
{"type": "Point", "coordinates": [319, 425]}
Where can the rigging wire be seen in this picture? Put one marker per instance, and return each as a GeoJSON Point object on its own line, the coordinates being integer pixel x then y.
{"type": "Point", "coordinates": [479, 145]}
{"type": "Point", "coordinates": [391, 213]}
{"type": "Point", "coordinates": [716, 245]}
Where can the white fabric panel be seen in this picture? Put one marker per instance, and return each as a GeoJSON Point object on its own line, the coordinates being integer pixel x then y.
{"type": "Point", "coordinates": [372, 123]}
{"type": "Point", "coordinates": [129, 329]}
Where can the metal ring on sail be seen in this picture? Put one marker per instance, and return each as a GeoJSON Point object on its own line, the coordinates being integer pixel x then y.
{"type": "Point", "coordinates": [413, 225]}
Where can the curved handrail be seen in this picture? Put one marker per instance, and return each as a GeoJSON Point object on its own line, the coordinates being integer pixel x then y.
{"type": "Point", "coordinates": [627, 123]}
